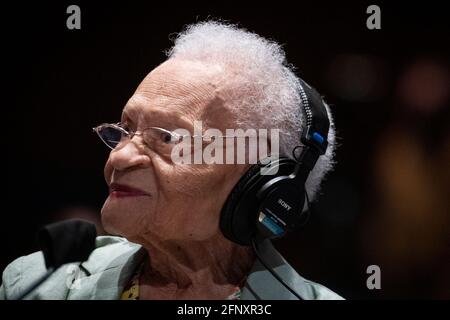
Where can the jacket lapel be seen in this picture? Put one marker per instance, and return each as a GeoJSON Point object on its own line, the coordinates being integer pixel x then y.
{"type": "Point", "coordinates": [106, 282]}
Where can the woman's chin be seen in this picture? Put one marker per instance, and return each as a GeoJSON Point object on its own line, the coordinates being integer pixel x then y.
{"type": "Point", "coordinates": [117, 223]}
{"type": "Point", "coordinates": [110, 224]}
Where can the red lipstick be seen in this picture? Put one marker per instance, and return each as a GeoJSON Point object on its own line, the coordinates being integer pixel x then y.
{"type": "Point", "coordinates": [120, 191]}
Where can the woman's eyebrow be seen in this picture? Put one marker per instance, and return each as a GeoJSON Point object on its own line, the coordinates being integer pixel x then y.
{"type": "Point", "coordinates": [167, 119]}
{"type": "Point", "coordinates": [174, 120]}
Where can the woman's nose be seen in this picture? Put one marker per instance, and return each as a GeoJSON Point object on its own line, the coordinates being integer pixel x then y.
{"type": "Point", "coordinates": [127, 156]}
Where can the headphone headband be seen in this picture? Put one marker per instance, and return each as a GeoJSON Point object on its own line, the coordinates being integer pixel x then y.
{"type": "Point", "coordinates": [316, 118]}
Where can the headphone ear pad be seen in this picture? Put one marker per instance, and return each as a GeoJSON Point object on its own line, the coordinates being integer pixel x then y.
{"type": "Point", "coordinates": [226, 215]}
{"type": "Point", "coordinates": [242, 204]}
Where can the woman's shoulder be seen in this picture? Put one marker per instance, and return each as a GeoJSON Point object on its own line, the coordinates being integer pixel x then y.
{"type": "Point", "coordinates": [105, 246]}
{"type": "Point", "coordinates": [109, 251]}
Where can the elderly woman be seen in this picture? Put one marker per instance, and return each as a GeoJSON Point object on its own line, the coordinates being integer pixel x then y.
{"type": "Point", "coordinates": [166, 216]}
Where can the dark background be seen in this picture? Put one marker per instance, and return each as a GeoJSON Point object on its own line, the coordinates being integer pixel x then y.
{"type": "Point", "coordinates": [386, 203]}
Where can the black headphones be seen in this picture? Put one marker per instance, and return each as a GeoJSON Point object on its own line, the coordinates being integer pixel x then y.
{"type": "Point", "coordinates": [262, 206]}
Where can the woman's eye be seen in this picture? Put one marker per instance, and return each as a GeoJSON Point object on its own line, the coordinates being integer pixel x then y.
{"type": "Point", "coordinates": [168, 138]}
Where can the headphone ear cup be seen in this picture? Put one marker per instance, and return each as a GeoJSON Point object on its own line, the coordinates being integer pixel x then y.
{"type": "Point", "coordinates": [226, 215]}
{"type": "Point", "coordinates": [281, 209]}
{"type": "Point", "coordinates": [238, 219]}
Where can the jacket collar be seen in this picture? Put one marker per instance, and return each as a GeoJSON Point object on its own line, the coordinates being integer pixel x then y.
{"type": "Point", "coordinates": [260, 279]}
{"type": "Point", "coordinates": [262, 284]}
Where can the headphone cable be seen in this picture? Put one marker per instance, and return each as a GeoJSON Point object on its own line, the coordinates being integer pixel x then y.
{"type": "Point", "coordinates": [274, 274]}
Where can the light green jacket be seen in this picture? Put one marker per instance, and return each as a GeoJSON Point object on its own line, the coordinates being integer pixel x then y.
{"type": "Point", "coordinates": [110, 266]}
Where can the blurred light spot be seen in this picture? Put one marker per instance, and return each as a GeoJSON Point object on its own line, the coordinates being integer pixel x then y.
{"type": "Point", "coordinates": [357, 77]}
{"type": "Point", "coordinates": [424, 86]}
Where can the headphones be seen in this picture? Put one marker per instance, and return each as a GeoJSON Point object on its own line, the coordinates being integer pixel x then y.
{"type": "Point", "coordinates": [262, 206]}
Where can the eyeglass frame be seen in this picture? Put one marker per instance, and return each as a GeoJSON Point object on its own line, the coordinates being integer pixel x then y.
{"type": "Point", "coordinates": [131, 133]}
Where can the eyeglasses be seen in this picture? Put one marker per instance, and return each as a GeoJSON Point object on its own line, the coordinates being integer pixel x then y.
{"type": "Point", "coordinates": [159, 139]}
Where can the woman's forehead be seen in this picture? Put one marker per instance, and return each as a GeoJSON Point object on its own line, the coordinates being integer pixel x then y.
{"type": "Point", "coordinates": [169, 94]}
{"type": "Point", "coordinates": [142, 111]}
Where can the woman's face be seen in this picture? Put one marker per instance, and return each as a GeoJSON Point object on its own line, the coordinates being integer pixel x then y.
{"type": "Point", "coordinates": [175, 201]}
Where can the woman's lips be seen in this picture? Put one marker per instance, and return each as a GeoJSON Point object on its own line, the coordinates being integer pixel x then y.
{"type": "Point", "coordinates": [121, 191]}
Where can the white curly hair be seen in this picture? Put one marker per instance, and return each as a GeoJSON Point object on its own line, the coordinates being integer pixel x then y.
{"type": "Point", "coordinates": [265, 88]}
